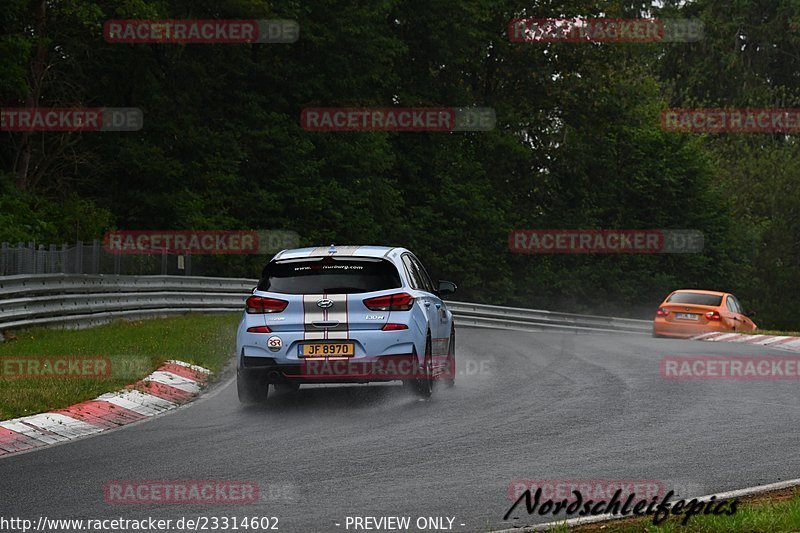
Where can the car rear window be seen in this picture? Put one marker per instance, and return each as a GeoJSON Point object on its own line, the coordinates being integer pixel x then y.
{"type": "Point", "coordinates": [696, 298]}
{"type": "Point", "coordinates": [326, 274]}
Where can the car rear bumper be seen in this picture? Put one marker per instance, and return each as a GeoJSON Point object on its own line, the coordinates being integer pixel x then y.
{"type": "Point", "coordinates": [680, 330]}
{"type": "Point", "coordinates": [333, 370]}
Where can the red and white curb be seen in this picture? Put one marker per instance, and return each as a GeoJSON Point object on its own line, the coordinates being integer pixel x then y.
{"type": "Point", "coordinates": [172, 384]}
{"type": "Point", "coordinates": [779, 342]}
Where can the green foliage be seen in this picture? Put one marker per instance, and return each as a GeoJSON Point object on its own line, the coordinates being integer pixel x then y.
{"type": "Point", "coordinates": [26, 217]}
{"type": "Point", "coordinates": [577, 145]}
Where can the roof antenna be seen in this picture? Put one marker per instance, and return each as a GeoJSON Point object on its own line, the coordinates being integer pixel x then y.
{"type": "Point", "coordinates": [332, 249]}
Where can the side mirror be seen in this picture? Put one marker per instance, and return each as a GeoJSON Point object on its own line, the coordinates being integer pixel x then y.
{"type": "Point", "coordinates": [750, 314]}
{"type": "Point", "coordinates": [446, 288]}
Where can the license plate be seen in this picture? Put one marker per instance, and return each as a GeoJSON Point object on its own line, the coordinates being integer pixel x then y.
{"type": "Point", "coordinates": [328, 349]}
{"type": "Point", "coordinates": [687, 316]}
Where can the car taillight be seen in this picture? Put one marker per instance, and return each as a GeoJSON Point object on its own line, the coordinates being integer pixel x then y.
{"type": "Point", "coordinates": [393, 327]}
{"type": "Point", "coordinates": [662, 311]}
{"type": "Point", "coordinates": [392, 302]}
{"type": "Point", "coordinates": [713, 315]}
{"type": "Point", "coordinates": [259, 329]}
{"type": "Point", "coordinates": [260, 304]}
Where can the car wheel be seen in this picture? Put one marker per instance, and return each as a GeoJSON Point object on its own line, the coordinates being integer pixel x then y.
{"type": "Point", "coordinates": [252, 387]}
{"type": "Point", "coordinates": [424, 383]}
{"type": "Point", "coordinates": [451, 361]}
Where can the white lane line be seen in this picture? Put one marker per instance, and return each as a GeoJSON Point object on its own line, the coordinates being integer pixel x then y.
{"type": "Point", "coordinates": [63, 425]}
{"type": "Point", "coordinates": [174, 380]}
{"type": "Point", "coordinates": [28, 431]}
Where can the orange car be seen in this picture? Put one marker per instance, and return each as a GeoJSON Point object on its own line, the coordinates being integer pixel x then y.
{"type": "Point", "coordinates": [690, 312]}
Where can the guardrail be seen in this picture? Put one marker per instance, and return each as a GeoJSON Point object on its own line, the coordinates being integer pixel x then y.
{"type": "Point", "coordinates": [82, 300]}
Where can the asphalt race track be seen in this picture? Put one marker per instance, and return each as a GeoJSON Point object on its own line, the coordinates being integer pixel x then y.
{"type": "Point", "coordinates": [526, 406]}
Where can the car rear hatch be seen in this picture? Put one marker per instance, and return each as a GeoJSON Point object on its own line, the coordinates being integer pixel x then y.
{"type": "Point", "coordinates": [691, 308]}
{"type": "Point", "coordinates": [326, 294]}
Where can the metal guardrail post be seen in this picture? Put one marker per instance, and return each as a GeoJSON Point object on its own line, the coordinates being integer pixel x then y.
{"type": "Point", "coordinates": [65, 258]}
{"type": "Point", "coordinates": [95, 257]}
{"type": "Point", "coordinates": [41, 259]}
{"type": "Point", "coordinates": [79, 257]}
{"type": "Point", "coordinates": [52, 259]}
{"type": "Point", "coordinates": [29, 262]}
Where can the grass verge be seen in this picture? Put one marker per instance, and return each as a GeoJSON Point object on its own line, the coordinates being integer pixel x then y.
{"type": "Point", "coordinates": [776, 333]}
{"type": "Point", "coordinates": [764, 513]}
{"type": "Point", "coordinates": [133, 348]}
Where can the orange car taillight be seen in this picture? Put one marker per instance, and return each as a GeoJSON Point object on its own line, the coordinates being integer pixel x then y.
{"type": "Point", "coordinates": [662, 311]}
{"type": "Point", "coordinates": [259, 329]}
{"type": "Point", "coordinates": [392, 302]}
{"type": "Point", "coordinates": [260, 305]}
{"type": "Point", "coordinates": [713, 315]}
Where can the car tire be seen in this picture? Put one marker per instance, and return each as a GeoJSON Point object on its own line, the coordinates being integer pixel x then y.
{"type": "Point", "coordinates": [451, 361]}
{"type": "Point", "coordinates": [424, 384]}
{"type": "Point", "coordinates": [251, 387]}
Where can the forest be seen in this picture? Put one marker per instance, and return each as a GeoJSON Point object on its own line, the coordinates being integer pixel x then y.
{"type": "Point", "coordinates": [578, 141]}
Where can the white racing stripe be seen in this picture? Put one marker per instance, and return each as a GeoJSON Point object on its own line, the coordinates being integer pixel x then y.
{"type": "Point", "coordinates": [338, 312]}
{"type": "Point", "coordinates": [312, 313]}
{"type": "Point", "coordinates": [174, 380]}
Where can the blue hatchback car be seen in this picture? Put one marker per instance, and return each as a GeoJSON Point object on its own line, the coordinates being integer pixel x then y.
{"type": "Point", "coordinates": [348, 314]}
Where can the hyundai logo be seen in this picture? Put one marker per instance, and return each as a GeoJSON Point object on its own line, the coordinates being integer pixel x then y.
{"type": "Point", "coordinates": [325, 303]}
